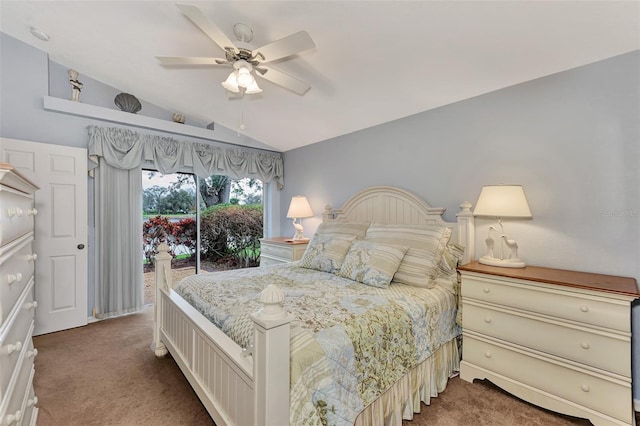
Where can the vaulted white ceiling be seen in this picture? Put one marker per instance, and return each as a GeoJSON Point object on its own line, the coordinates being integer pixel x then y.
{"type": "Point", "coordinates": [375, 61]}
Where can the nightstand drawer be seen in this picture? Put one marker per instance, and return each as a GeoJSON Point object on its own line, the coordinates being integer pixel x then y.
{"type": "Point", "coordinates": [550, 300]}
{"type": "Point", "coordinates": [266, 260]}
{"type": "Point", "coordinates": [280, 250]}
{"type": "Point", "coordinates": [606, 351]}
{"type": "Point", "coordinates": [608, 396]}
{"type": "Point", "coordinates": [277, 251]}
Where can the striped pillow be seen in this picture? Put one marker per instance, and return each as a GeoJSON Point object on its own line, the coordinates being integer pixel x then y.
{"type": "Point", "coordinates": [326, 252]}
{"type": "Point", "coordinates": [426, 244]}
{"type": "Point", "coordinates": [372, 263]}
{"type": "Point", "coordinates": [353, 229]}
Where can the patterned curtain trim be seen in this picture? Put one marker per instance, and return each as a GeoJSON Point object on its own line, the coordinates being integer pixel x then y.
{"type": "Point", "coordinates": [127, 149]}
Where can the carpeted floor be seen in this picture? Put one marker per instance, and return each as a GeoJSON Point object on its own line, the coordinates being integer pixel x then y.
{"type": "Point", "coordinates": [105, 374]}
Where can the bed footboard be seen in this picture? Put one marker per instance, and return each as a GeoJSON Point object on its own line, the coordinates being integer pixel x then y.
{"type": "Point", "coordinates": [237, 386]}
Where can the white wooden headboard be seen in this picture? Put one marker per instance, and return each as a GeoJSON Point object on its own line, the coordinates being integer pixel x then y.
{"type": "Point", "coordinates": [387, 204]}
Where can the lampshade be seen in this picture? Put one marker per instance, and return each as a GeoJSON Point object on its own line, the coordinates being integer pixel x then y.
{"type": "Point", "coordinates": [299, 207]}
{"type": "Point", "coordinates": [231, 83]}
{"type": "Point", "coordinates": [253, 88]}
{"type": "Point", "coordinates": [244, 77]}
{"type": "Point", "coordinates": [502, 201]}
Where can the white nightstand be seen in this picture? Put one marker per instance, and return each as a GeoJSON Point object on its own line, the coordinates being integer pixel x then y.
{"type": "Point", "coordinates": [280, 250]}
{"type": "Point", "coordinates": [558, 339]}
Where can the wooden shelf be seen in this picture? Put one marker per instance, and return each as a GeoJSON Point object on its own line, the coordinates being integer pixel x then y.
{"type": "Point", "coordinates": [115, 116]}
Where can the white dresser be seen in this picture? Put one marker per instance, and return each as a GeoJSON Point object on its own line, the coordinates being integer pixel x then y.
{"type": "Point", "coordinates": [18, 404]}
{"type": "Point", "coordinates": [558, 339]}
{"type": "Point", "coordinates": [281, 250]}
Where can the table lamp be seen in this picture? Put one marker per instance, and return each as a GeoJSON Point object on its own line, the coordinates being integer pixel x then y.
{"type": "Point", "coordinates": [298, 209]}
{"type": "Point", "coordinates": [502, 201]}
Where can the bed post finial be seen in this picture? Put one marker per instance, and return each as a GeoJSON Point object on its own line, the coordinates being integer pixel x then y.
{"type": "Point", "coordinates": [271, 298]}
{"type": "Point", "coordinates": [162, 262]}
{"type": "Point", "coordinates": [466, 231]}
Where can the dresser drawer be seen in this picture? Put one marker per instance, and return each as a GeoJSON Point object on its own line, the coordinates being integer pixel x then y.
{"type": "Point", "coordinates": [606, 351]}
{"type": "Point", "coordinates": [16, 214]}
{"type": "Point", "coordinates": [16, 270]}
{"type": "Point", "coordinates": [15, 334]}
{"type": "Point", "coordinates": [550, 300]}
{"type": "Point", "coordinates": [14, 407]}
{"type": "Point", "coordinates": [596, 392]}
{"type": "Point", "coordinates": [30, 412]}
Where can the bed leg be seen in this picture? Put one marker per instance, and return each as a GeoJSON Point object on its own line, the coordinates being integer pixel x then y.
{"type": "Point", "coordinates": [271, 358]}
{"type": "Point", "coordinates": [162, 279]}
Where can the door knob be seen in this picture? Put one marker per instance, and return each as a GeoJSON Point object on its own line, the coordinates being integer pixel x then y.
{"type": "Point", "coordinates": [80, 246]}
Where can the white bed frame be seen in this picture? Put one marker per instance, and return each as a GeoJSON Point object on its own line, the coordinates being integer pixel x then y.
{"type": "Point", "coordinates": [251, 386]}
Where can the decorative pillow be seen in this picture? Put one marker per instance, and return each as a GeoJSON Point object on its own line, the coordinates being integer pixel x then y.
{"type": "Point", "coordinates": [426, 244]}
{"type": "Point", "coordinates": [351, 229]}
{"type": "Point", "coordinates": [372, 263]}
{"type": "Point", "coordinates": [326, 252]}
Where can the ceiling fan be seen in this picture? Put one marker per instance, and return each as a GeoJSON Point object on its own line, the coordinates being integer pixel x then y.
{"type": "Point", "coordinates": [245, 62]}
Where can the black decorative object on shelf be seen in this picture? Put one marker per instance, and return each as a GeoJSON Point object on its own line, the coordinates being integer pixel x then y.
{"type": "Point", "coordinates": [127, 103]}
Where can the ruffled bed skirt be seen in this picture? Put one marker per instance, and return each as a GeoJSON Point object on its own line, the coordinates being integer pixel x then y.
{"type": "Point", "coordinates": [403, 399]}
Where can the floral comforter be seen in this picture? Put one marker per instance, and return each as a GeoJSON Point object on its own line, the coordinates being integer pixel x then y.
{"type": "Point", "coordinates": [349, 341]}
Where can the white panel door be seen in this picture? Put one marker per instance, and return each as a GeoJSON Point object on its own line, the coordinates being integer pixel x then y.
{"type": "Point", "coordinates": [61, 229]}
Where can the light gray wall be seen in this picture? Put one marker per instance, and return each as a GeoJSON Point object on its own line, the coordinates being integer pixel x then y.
{"type": "Point", "coordinates": [571, 139]}
{"type": "Point", "coordinates": [27, 76]}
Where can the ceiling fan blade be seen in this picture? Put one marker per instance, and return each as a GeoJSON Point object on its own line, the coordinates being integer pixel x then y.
{"type": "Point", "coordinates": [281, 79]}
{"type": "Point", "coordinates": [182, 60]}
{"type": "Point", "coordinates": [206, 26]}
{"type": "Point", "coordinates": [284, 47]}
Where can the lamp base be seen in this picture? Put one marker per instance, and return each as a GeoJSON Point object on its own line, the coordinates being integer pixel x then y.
{"type": "Point", "coordinates": [504, 263]}
{"type": "Point", "coordinates": [299, 236]}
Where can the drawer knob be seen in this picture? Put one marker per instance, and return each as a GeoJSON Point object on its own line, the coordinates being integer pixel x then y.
{"type": "Point", "coordinates": [14, 348]}
{"type": "Point", "coordinates": [585, 345]}
{"type": "Point", "coordinates": [485, 290]}
{"type": "Point", "coordinates": [14, 418]}
{"type": "Point", "coordinates": [585, 388]}
{"type": "Point", "coordinates": [32, 212]}
{"type": "Point", "coordinates": [13, 278]}
{"type": "Point", "coordinates": [32, 354]}
{"type": "Point", "coordinates": [487, 354]}
{"type": "Point", "coordinates": [14, 212]}
{"type": "Point", "coordinates": [32, 401]}
{"type": "Point", "coordinates": [32, 256]}
{"type": "Point", "coordinates": [31, 305]}
{"type": "Point", "coordinates": [584, 308]}
{"type": "Point", "coordinates": [487, 319]}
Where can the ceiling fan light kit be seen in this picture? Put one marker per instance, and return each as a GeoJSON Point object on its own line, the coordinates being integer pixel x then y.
{"type": "Point", "coordinates": [245, 61]}
{"type": "Point", "coordinates": [241, 79]}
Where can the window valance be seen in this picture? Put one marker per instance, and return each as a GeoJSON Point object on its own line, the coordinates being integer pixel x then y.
{"type": "Point", "coordinates": [126, 149]}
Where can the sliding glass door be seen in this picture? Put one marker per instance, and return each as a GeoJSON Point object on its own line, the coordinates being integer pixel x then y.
{"type": "Point", "coordinates": [210, 224]}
